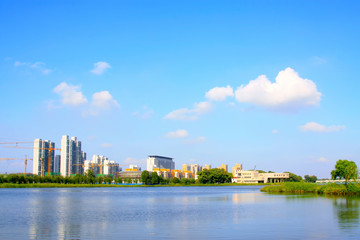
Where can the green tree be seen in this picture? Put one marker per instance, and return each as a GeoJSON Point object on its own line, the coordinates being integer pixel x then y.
{"type": "Point", "coordinates": [175, 180]}
{"type": "Point", "coordinates": [311, 178]}
{"type": "Point", "coordinates": [214, 175]}
{"type": "Point", "coordinates": [145, 177]}
{"type": "Point", "coordinates": [294, 178]}
{"type": "Point", "coordinates": [155, 178]}
{"type": "Point", "coordinates": [345, 169]}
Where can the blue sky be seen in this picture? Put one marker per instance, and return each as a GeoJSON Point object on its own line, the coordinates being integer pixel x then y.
{"type": "Point", "coordinates": [271, 84]}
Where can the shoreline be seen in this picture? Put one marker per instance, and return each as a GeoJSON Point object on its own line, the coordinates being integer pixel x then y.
{"type": "Point", "coordinates": [351, 189]}
{"type": "Point", "coordinates": [61, 185]}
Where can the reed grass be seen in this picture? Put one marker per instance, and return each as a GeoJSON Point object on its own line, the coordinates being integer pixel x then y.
{"type": "Point", "coordinates": [302, 187]}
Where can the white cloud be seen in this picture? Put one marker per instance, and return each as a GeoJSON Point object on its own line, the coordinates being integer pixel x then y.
{"type": "Point", "coordinates": [104, 100]}
{"type": "Point", "coordinates": [40, 66]}
{"type": "Point", "coordinates": [101, 101]}
{"type": "Point", "coordinates": [219, 93]}
{"type": "Point", "coordinates": [195, 140]}
{"type": "Point", "coordinates": [275, 131]}
{"type": "Point", "coordinates": [322, 159]}
{"type": "Point", "coordinates": [181, 133]}
{"type": "Point", "coordinates": [100, 67]}
{"type": "Point", "coordinates": [288, 92]}
{"type": "Point", "coordinates": [71, 95]}
{"type": "Point", "coordinates": [106, 145]}
{"type": "Point", "coordinates": [316, 127]}
{"type": "Point", "coordinates": [190, 114]}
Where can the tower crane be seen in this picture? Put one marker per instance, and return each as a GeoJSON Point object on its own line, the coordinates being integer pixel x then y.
{"type": "Point", "coordinates": [25, 162]}
{"type": "Point", "coordinates": [50, 149]}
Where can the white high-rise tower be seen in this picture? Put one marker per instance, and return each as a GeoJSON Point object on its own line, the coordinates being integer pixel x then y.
{"type": "Point", "coordinates": [41, 157]}
{"type": "Point", "coordinates": [71, 156]}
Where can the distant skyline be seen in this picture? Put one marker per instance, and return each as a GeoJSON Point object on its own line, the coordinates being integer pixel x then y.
{"type": "Point", "coordinates": [268, 84]}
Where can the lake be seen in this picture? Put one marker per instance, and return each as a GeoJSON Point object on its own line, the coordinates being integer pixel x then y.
{"type": "Point", "coordinates": [224, 212]}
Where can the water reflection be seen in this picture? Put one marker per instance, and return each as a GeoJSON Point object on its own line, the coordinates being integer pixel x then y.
{"type": "Point", "coordinates": [347, 211]}
{"type": "Point", "coordinates": [175, 213]}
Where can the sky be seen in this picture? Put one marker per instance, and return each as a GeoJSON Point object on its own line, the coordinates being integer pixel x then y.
{"type": "Point", "coordinates": [270, 84]}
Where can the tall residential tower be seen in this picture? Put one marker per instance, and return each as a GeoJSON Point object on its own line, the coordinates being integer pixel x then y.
{"type": "Point", "coordinates": [72, 158]}
{"type": "Point", "coordinates": [41, 157]}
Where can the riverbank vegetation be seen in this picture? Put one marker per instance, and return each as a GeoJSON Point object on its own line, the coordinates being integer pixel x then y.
{"type": "Point", "coordinates": [303, 187]}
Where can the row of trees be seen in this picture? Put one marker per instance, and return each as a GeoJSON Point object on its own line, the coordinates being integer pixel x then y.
{"type": "Point", "coordinates": [344, 169]}
{"type": "Point", "coordinates": [206, 176]}
{"type": "Point", "coordinates": [152, 178]}
{"type": "Point", "coordinates": [88, 178]}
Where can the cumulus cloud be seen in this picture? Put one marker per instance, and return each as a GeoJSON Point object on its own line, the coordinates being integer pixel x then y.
{"type": "Point", "coordinates": [181, 133]}
{"type": "Point", "coordinates": [190, 114]}
{"type": "Point", "coordinates": [71, 95]}
{"type": "Point", "coordinates": [289, 91]}
{"type": "Point", "coordinates": [316, 127]}
{"type": "Point", "coordinates": [101, 101]}
{"type": "Point", "coordinates": [100, 68]}
{"type": "Point", "coordinates": [40, 66]}
{"type": "Point", "coordinates": [104, 100]}
{"type": "Point", "coordinates": [219, 93]}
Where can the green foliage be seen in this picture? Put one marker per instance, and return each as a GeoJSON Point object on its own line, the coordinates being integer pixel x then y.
{"type": "Point", "coordinates": [214, 175]}
{"type": "Point", "coordinates": [311, 179]}
{"type": "Point", "coordinates": [155, 178]}
{"type": "Point", "coordinates": [303, 187]}
{"type": "Point", "coordinates": [185, 181]}
{"type": "Point", "coordinates": [175, 180]}
{"type": "Point", "coordinates": [345, 169]}
{"type": "Point", "coordinates": [118, 180]}
{"type": "Point", "coordinates": [145, 177]}
{"type": "Point", "coordinates": [294, 178]}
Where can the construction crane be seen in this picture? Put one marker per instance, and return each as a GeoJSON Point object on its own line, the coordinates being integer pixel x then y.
{"type": "Point", "coordinates": [14, 142]}
{"type": "Point", "coordinates": [25, 162]}
{"type": "Point", "coordinates": [50, 149]}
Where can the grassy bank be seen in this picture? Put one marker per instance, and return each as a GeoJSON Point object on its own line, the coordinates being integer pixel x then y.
{"type": "Point", "coordinates": [301, 187]}
{"type": "Point", "coordinates": [62, 185]}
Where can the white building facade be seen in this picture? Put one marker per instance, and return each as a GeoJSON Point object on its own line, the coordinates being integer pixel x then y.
{"type": "Point", "coordinates": [160, 162]}
{"type": "Point", "coordinates": [101, 165]}
{"type": "Point", "coordinates": [41, 157]}
{"type": "Point", "coordinates": [71, 160]}
{"type": "Point", "coordinates": [242, 176]}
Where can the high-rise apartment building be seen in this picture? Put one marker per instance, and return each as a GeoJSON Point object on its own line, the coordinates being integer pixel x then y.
{"type": "Point", "coordinates": [41, 157]}
{"type": "Point", "coordinates": [159, 162]}
{"type": "Point", "coordinates": [101, 165]}
{"type": "Point", "coordinates": [193, 168]}
{"type": "Point", "coordinates": [57, 164]}
{"type": "Point", "coordinates": [71, 156]}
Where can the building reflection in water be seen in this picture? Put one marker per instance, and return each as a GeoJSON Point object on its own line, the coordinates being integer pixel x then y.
{"type": "Point", "coordinates": [55, 215]}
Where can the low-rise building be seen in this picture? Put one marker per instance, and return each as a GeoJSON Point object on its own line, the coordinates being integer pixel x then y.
{"type": "Point", "coordinates": [242, 176]}
{"type": "Point", "coordinates": [135, 176]}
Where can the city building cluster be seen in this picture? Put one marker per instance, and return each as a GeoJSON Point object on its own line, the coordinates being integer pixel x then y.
{"type": "Point", "coordinates": [72, 160]}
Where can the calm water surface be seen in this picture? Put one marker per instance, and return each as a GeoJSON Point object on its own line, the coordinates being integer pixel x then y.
{"type": "Point", "coordinates": [174, 213]}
